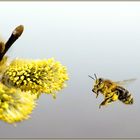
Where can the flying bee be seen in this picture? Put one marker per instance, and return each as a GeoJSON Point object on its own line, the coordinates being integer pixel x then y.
{"type": "Point", "coordinates": [112, 91]}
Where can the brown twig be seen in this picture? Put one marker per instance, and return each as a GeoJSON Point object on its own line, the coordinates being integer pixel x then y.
{"type": "Point", "coordinates": [14, 36]}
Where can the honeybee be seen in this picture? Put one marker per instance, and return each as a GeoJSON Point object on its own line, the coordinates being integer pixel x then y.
{"type": "Point", "coordinates": [112, 91]}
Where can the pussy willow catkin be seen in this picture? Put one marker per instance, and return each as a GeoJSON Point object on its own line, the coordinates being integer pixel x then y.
{"type": "Point", "coordinates": [38, 76]}
{"type": "Point", "coordinates": [15, 105]}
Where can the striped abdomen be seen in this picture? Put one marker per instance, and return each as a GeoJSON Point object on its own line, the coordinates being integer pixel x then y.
{"type": "Point", "coordinates": [124, 95]}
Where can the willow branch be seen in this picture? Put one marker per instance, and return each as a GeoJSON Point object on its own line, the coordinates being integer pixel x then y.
{"type": "Point", "coordinates": [14, 36]}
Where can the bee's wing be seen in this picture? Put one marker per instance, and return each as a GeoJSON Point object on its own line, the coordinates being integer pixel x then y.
{"type": "Point", "coordinates": [125, 82]}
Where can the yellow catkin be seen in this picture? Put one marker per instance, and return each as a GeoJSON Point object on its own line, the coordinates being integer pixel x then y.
{"type": "Point", "coordinates": [38, 76]}
{"type": "Point", "coordinates": [15, 106]}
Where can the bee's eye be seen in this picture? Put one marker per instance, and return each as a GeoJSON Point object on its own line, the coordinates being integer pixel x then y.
{"type": "Point", "coordinates": [100, 80]}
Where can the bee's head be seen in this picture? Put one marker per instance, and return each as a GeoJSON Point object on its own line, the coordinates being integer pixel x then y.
{"type": "Point", "coordinates": [98, 84]}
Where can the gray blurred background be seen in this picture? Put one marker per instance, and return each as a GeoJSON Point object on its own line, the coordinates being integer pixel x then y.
{"type": "Point", "coordinates": [88, 38]}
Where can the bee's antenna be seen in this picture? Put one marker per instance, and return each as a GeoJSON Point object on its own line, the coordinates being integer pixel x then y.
{"type": "Point", "coordinates": [91, 77]}
{"type": "Point", "coordinates": [95, 76]}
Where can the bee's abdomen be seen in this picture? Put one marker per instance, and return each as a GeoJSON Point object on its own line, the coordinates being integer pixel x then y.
{"type": "Point", "coordinates": [124, 95]}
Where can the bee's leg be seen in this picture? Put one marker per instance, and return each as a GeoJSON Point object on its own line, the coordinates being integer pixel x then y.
{"type": "Point", "coordinates": [97, 94]}
{"type": "Point", "coordinates": [105, 102]}
{"type": "Point", "coordinates": [110, 99]}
